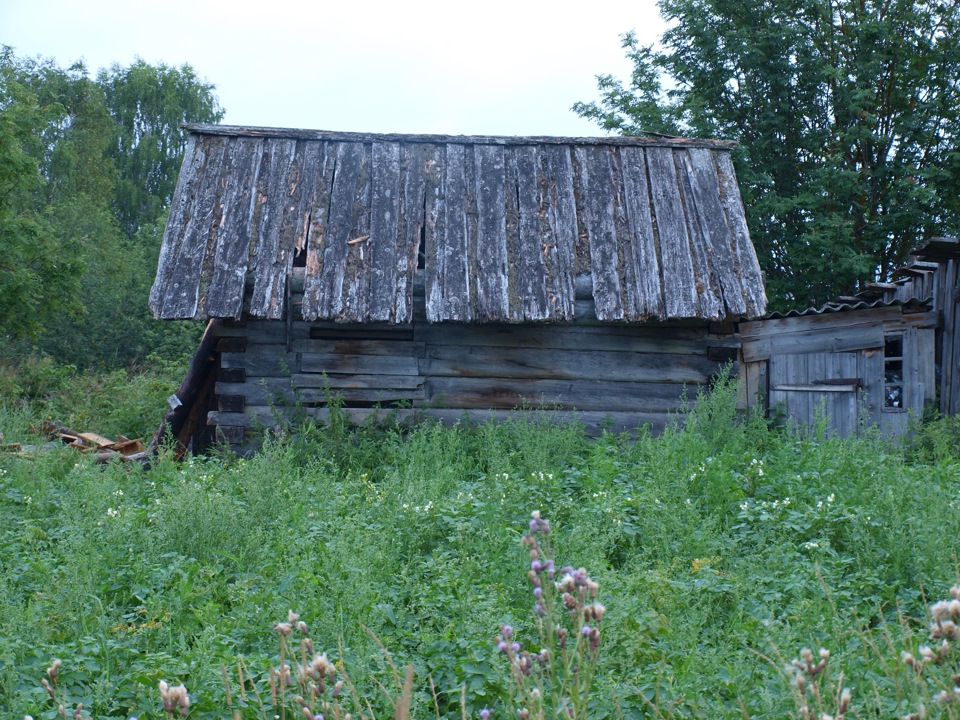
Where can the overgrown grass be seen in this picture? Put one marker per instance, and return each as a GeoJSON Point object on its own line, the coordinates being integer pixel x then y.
{"type": "Point", "coordinates": [711, 544]}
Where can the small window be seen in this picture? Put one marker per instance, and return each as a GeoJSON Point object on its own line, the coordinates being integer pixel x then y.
{"type": "Point", "coordinates": [893, 398]}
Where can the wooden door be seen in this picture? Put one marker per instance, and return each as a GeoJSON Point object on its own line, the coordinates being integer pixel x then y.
{"type": "Point", "coordinates": [805, 384]}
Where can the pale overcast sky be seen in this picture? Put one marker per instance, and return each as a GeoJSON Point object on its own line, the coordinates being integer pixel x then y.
{"type": "Point", "coordinates": [501, 67]}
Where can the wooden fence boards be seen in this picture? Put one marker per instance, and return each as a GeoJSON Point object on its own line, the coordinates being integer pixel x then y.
{"type": "Point", "coordinates": [506, 228]}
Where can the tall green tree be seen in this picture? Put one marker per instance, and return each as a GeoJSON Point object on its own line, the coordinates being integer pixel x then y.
{"type": "Point", "coordinates": [847, 116]}
{"type": "Point", "coordinates": [148, 104]}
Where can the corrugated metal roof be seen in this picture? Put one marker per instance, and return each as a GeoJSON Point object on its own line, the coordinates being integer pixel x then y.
{"type": "Point", "coordinates": [505, 225]}
{"type": "Point", "coordinates": [911, 305]}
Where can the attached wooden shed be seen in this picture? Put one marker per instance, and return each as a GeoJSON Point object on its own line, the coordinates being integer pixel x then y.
{"type": "Point", "coordinates": [881, 358]}
{"type": "Point", "coordinates": [437, 275]}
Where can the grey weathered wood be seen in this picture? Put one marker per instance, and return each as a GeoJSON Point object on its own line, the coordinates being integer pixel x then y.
{"type": "Point", "coordinates": [268, 259]}
{"type": "Point", "coordinates": [476, 361]}
{"type": "Point", "coordinates": [265, 364]}
{"type": "Point", "coordinates": [181, 295]}
{"type": "Point", "coordinates": [531, 287]}
{"type": "Point", "coordinates": [335, 136]}
{"type": "Point", "coordinates": [358, 346]}
{"type": "Point", "coordinates": [232, 253]}
{"type": "Point", "coordinates": [679, 281]}
{"type": "Point", "coordinates": [747, 265]}
{"type": "Point", "coordinates": [596, 185]}
{"type": "Point", "coordinates": [709, 293]}
{"type": "Point", "coordinates": [614, 338]}
{"type": "Point", "coordinates": [448, 286]}
{"type": "Point", "coordinates": [593, 423]}
{"type": "Point", "coordinates": [561, 216]}
{"type": "Point", "coordinates": [720, 253]}
{"type": "Point", "coordinates": [508, 393]}
{"type": "Point", "coordinates": [801, 382]}
{"type": "Point", "coordinates": [386, 247]}
{"type": "Point", "coordinates": [490, 279]}
{"type": "Point", "coordinates": [644, 265]}
{"type": "Point", "coordinates": [184, 196]}
{"type": "Point", "coordinates": [356, 289]}
{"type": "Point", "coordinates": [281, 391]}
{"type": "Point", "coordinates": [418, 163]}
{"type": "Point", "coordinates": [359, 364]}
{"type": "Point", "coordinates": [313, 282]}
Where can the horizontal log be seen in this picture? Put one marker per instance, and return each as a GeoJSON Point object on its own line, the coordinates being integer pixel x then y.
{"type": "Point", "coordinates": [556, 394]}
{"type": "Point", "coordinates": [594, 423]}
{"type": "Point", "coordinates": [862, 336]}
{"type": "Point", "coordinates": [280, 392]}
{"type": "Point", "coordinates": [473, 361]}
{"type": "Point", "coordinates": [615, 338]}
{"type": "Point", "coordinates": [359, 364]}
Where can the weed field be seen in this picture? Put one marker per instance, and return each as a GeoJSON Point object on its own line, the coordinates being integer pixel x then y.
{"type": "Point", "coordinates": [721, 550]}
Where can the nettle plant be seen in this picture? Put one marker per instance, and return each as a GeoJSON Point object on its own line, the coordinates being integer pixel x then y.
{"type": "Point", "coordinates": [554, 681]}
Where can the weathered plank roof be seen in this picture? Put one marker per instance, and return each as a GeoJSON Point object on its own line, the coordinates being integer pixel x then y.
{"type": "Point", "coordinates": [505, 226]}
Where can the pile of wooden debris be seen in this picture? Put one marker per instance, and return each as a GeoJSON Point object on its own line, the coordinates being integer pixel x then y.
{"type": "Point", "coordinates": [123, 448]}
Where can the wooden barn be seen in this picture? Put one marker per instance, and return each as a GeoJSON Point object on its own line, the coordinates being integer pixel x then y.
{"type": "Point", "coordinates": [882, 358]}
{"type": "Point", "coordinates": [435, 276]}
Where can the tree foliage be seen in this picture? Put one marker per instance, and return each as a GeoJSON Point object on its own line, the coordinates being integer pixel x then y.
{"type": "Point", "coordinates": [87, 168]}
{"type": "Point", "coordinates": [846, 113]}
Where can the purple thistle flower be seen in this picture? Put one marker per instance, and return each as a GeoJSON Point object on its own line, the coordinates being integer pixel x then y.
{"type": "Point", "coordinates": [507, 631]}
{"type": "Point", "coordinates": [540, 609]}
{"type": "Point", "coordinates": [502, 646]}
{"type": "Point", "coordinates": [538, 592]}
{"type": "Point", "coordinates": [486, 713]}
{"type": "Point", "coordinates": [516, 647]}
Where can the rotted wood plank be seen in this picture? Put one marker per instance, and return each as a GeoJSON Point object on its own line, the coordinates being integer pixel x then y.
{"type": "Point", "coordinates": [411, 224]}
{"type": "Point", "coordinates": [181, 208]}
{"type": "Point", "coordinates": [596, 212]}
{"type": "Point", "coordinates": [478, 361]}
{"type": "Point", "coordinates": [435, 190]}
{"type": "Point", "coordinates": [715, 240]}
{"type": "Point", "coordinates": [326, 294]}
{"type": "Point", "coordinates": [561, 216]}
{"type": "Point", "coordinates": [183, 290]}
{"type": "Point", "coordinates": [747, 265]}
{"type": "Point", "coordinates": [387, 248]}
{"type": "Point", "coordinates": [356, 291]}
{"type": "Point", "coordinates": [508, 393]}
{"type": "Point", "coordinates": [530, 292]}
{"type": "Point", "coordinates": [679, 280]}
{"type": "Point", "coordinates": [232, 254]}
{"type": "Point", "coordinates": [273, 190]}
{"type": "Point", "coordinates": [313, 281]}
{"type": "Point", "coordinates": [644, 265]}
{"type": "Point", "coordinates": [490, 279]}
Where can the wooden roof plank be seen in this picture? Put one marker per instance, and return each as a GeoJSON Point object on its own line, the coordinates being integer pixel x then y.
{"type": "Point", "coordinates": [531, 275]}
{"type": "Point", "coordinates": [385, 245]}
{"type": "Point", "coordinates": [560, 213]}
{"type": "Point", "coordinates": [434, 231]}
{"type": "Point", "coordinates": [183, 196]}
{"type": "Point", "coordinates": [745, 255]}
{"type": "Point", "coordinates": [490, 280]}
{"type": "Point", "coordinates": [679, 282]}
{"type": "Point", "coordinates": [411, 225]}
{"type": "Point", "coordinates": [317, 232]}
{"type": "Point", "coordinates": [352, 233]}
{"type": "Point", "coordinates": [646, 270]}
{"type": "Point", "coordinates": [273, 195]}
{"type": "Point", "coordinates": [326, 292]}
{"type": "Point", "coordinates": [232, 253]}
{"type": "Point", "coordinates": [596, 187]}
{"type": "Point", "coordinates": [183, 290]}
{"type": "Point", "coordinates": [448, 284]}
{"type": "Point", "coordinates": [722, 254]}
{"type": "Point", "coordinates": [702, 241]}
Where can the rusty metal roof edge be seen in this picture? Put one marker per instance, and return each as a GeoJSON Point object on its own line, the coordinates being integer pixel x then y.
{"type": "Point", "coordinates": [913, 304]}
{"type": "Point", "coordinates": [339, 136]}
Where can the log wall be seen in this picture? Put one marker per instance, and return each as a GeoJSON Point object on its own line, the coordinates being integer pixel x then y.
{"type": "Point", "coordinates": [604, 376]}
